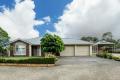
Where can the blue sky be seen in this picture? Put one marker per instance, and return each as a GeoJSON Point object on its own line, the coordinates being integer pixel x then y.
{"type": "Point", "coordinates": [43, 8]}
{"type": "Point", "coordinates": [52, 8]}
{"type": "Point", "coordinates": [28, 19]}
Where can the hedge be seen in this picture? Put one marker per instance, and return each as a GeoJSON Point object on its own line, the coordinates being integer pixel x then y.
{"type": "Point", "coordinates": [105, 55]}
{"type": "Point", "coordinates": [29, 61]}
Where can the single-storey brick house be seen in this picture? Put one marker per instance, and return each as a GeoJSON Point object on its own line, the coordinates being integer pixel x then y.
{"type": "Point", "coordinates": [31, 47]}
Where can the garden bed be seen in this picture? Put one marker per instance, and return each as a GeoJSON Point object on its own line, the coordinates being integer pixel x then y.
{"type": "Point", "coordinates": [27, 61]}
{"type": "Point", "coordinates": [108, 56]}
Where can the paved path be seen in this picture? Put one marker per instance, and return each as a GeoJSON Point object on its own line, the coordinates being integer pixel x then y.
{"type": "Point", "coordinates": [68, 68]}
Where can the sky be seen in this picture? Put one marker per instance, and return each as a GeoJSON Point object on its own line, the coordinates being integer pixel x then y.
{"type": "Point", "coordinates": [66, 18]}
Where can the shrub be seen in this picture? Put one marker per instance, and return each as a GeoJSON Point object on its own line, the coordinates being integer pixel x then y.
{"type": "Point", "coordinates": [29, 61]}
{"type": "Point", "coordinates": [109, 56]}
{"type": "Point", "coordinates": [99, 55]}
{"type": "Point", "coordinates": [116, 58]}
{"type": "Point", "coordinates": [51, 56]}
{"type": "Point", "coordinates": [2, 60]}
{"type": "Point", "coordinates": [105, 55]}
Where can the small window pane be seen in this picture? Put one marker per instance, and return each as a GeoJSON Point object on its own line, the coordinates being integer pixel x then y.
{"type": "Point", "coordinates": [20, 49]}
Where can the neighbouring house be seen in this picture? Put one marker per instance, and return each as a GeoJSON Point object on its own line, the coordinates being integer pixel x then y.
{"type": "Point", "coordinates": [103, 46]}
{"type": "Point", "coordinates": [31, 47]}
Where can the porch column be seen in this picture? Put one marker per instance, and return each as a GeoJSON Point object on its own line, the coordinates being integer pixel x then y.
{"type": "Point", "coordinates": [114, 48]}
{"type": "Point", "coordinates": [97, 49]}
{"type": "Point", "coordinates": [39, 51]}
{"type": "Point", "coordinates": [90, 50]}
{"type": "Point", "coordinates": [30, 49]}
{"type": "Point", "coordinates": [75, 50]}
{"type": "Point", "coordinates": [8, 52]}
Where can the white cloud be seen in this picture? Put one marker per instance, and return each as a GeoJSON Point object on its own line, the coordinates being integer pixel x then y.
{"type": "Point", "coordinates": [47, 19]}
{"type": "Point", "coordinates": [20, 21]}
{"type": "Point", "coordinates": [90, 17]}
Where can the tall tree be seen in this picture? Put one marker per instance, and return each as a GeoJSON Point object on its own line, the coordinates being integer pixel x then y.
{"type": "Point", "coordinates": [90, 39]}
{"type": "Point", "coordinates": [107, 36]}
{"type": "Point", "coordinates": [117, 44]}
{"type": "Point", "coordinates": [4, 39]}
{"type": "Point", "coordinates": [52, 44]}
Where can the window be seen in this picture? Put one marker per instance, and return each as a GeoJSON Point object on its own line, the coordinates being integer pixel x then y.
{"type": "Point", "coordinates": [20, 49]}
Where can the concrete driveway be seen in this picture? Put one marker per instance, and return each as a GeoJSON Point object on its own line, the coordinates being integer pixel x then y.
{"type": "Point", "coordinates": [68, 68]}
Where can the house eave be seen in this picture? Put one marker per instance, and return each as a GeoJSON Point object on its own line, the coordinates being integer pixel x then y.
{"type": "Point", "coordinates": [20, 40]}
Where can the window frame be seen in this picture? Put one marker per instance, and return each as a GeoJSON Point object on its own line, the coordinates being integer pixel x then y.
{"type": "Point", "coordinates": [18, 50]}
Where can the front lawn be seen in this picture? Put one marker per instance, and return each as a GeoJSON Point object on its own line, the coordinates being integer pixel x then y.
{"type": "Point", "coordinates": [18, 58]}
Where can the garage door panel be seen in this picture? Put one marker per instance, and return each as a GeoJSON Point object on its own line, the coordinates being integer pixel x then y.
{"type": "Point", "coordinates": [81, 50]}
{"type": "Point", "coordinates": [69, 51]}
{"type": "Point", "coordinates": [76, 51]}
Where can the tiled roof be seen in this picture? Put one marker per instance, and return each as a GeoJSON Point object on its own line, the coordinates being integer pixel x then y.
{"type": "Point", "coordinates": [67, 41]}
{"type": "Point", "coordinates": [34, 41]}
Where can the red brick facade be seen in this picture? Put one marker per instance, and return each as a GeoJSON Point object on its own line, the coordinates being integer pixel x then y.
{"type": "Point", "coordinates": [12, 52]}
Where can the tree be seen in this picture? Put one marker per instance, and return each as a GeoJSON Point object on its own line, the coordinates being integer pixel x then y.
{"type": "Point", "coordinates": [4, 40]}
{"type": "Point", "coordinates": [117, 44]}
{"type": "Point", "coordinates": [107, 36]}
{"type": "Point", "coordinates": [90, 39]}
{"type": "Point", "coordinates": [52, 44]}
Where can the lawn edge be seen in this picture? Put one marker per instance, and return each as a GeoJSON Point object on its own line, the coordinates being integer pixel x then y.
{"type": "Point", "coordinates": [27, 65]}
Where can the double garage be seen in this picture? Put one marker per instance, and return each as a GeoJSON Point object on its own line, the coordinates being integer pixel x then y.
{"type": "Point", "coordinates": [77, 50]}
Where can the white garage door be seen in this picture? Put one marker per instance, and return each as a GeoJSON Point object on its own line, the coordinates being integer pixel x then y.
{"type": "Point", "coordinates": [69, 51]}
{"type": "Point", "coordinates": [82, 50]}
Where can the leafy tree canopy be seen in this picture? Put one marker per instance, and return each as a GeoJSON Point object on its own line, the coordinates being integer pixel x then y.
{"type": "Point", "coordinates": [107, 36]}
{"type": "Point", "coordinates": [52, 43]}
{"type": "Point", "coordinates": [4, 39]}
{"type": "Point", "coordinates": [90, 39]}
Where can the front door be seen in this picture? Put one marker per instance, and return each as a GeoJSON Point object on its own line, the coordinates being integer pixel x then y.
{"type": "Point", "coordinates": [35, 51]}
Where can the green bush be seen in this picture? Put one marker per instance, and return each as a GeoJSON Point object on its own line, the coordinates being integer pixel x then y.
{"type": "Point", "coordinates": [116, 58]}
{"type": "Point", "coordinates": [99, 55]}
{"type": "Point", "coordinates": [51, 56]}
{"type": "Point", "coordinates": [29, 61]}
{"type": "Point", "coordinates": [109, 56]}
{"type": "Point", "coordinates": [105, 55]}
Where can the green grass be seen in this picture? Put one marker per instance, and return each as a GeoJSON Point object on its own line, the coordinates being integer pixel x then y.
{"type": "Point", "coordinates": [18, 58]}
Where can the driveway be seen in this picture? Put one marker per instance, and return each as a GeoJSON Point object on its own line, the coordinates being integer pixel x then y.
{"type": "Point", "coordinates": [68, 68]}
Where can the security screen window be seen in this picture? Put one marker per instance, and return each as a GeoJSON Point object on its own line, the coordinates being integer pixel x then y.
{"type": "Point", "coordinates": [20, 49]}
